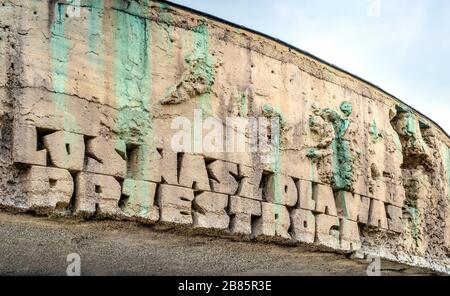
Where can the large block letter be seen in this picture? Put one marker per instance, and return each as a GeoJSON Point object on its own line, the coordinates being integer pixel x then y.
{"type": "Point", "coordinates": [97, 194]}
{"type": "Point", "coordinates": [193, 172]}
{"type": "Point", "coordinates": [324, 197]}
{"type": "Point", "coordinates": [175, 204]}
{"type": "Point", "coordinates": [303, 225]}
{"type": "Point", "coordinates": [146, 163]}
{"type": "Point", "coordinates": [364, 209]}
{"type": "Point", "coordinates": [66, 150]}
{"type": "Point", "coordinates": [349, 235]}
{"type": "Point", "coordinates": [210, 211]}
{"type": "Point", "coordinates": [104, 157]}
{"type": "Point", "coordinates": [47, 188]}
{"type": "Point", "coordinates": [377, 216]}
{"type": "Point", "coordinates": [274, 221]}
{"type": "Point", "coordinates": [25, 150]}
{"type": "Point", "coordinates": [222, 177]}
{"type": "Point", "coordinates": [250, 181]}
{"type": "Point", "coordinates": [140, 200]}
{"type": "Point", "coordinates": [281, 190]}
{"type": "Point", "coordinates": [348, 205]}
{"type": "Point", "coordinates": [327, 231]}
{"type": "Point", "coordinates": [242, 210]}
{"type": "Point", "coordinates": [305, 195]}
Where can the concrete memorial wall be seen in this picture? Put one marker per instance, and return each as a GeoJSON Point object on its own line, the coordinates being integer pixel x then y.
{"type": "Point", "coordinates": [146, 111]}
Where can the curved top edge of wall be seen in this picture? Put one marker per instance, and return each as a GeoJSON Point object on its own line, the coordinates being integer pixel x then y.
{"type": "Point", "coordinates": [308, 54]}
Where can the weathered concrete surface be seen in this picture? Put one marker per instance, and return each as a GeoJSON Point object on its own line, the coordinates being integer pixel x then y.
{"type": "Point", "coordinates": [90, 95]}
{"type": "Point", "coordinates": [39, 246]}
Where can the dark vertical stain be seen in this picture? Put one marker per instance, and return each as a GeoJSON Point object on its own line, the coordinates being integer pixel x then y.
{"type": "Point", "coordinates": [51, 12]}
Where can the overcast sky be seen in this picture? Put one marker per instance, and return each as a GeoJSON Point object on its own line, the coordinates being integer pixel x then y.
{"type": "Point", "coordinates": [403, 46]}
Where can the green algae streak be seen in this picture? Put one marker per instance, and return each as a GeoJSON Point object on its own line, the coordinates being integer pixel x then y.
{"type": "Point", "coordinates": [201, 65]}
{"type": "Point", "coordinates": [132, 76]}
{"type": "Point", "coordinates": [133, 89]}
{"type": "Point", "coordinates": [95, 39]}
{"type": "Point", "coordinates": [342, 159]}
{"type": "Point", "coordinates": [274, 114]}
{"type": "Point", "coordinates": [374, 132]}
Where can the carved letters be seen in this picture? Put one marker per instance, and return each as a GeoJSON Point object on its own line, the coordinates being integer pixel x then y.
{"type": "Point", "coordinates": [107, 178]}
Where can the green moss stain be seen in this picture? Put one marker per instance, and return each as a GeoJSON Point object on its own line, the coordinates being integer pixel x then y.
{"type": "Point", "coordinates": [95, 39]}
{"type": "Point", "coordinates": [373, 131]}
{"type": "Point", "coordinates": [59, 58]}
{"type": "Point", "coordinates": [410, 125]}
{"type": "Point", "coordinates": [411, 129]}
{"type": "Point", "coordinates": [276, 165]}
{"type": "Point", "coordinates": [342, 158]}
{"type": "Point", "coordinates": [398, 145]}
{"type": "Point", "coordinates": [275, 115]}
{"type": "Point", "coordinates": [342, 164]}
{"type": "Point", "coordinates": [138, 203]}
{"type": "Point", "coordinates": [311, 153]}
{"type": "Point", "coordinates": [415, 220]}
{"type": "Point", "coordinates": [271, 112]}
{"type": "Point", "coordinates": [243, 105]}
{"type": "Point", "coordinates": [132, 76]}
{"type": "Point", "coordinates": [201, 65]}
{"type": "Point", "coordinates": [59, 50]}
{"type": "Point", "coordinates": [133, 89]}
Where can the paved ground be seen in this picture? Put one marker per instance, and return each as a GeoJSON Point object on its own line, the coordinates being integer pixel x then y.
{"type": "Point", "coordinates": [39, 246]}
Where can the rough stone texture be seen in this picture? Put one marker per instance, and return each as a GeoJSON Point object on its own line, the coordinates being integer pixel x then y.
{"type": "Point", "coordinates": [273, 223]}
{"type": "Point", "coordinates": [175, 204]}
{"type": "Point", "coordinates": [303, 225]}
{"type": "Point", "coordinates": [210, 211]}
{"type": "Point", "coordinates": [139, 202]}
{"type": "Point", "coordinates": [242, 211]}
{"type": "Point", "coordinates": [288, 195]}
{"type": "Point", "coordinates": [222, 177]}
{"type": "Point", "coordinates": [193, 172]}
{"type": "Point", "coordinates": [250, 181]}
{"type": "Point", "coordinates": [96, 96]}
{"type": "Point", "coordinates": [25, 148]}
{"type": "Point", "coordinates": [97, 195]}
{"type": "Point", "coordinates": [325, 203]}
{"type": "Point", "coordinates": [66, 150]}
{"type": "Point", "coordinates": [48, 188]}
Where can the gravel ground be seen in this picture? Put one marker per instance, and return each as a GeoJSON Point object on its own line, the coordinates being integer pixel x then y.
{"type": "Point", "coordinates": [39, 246]}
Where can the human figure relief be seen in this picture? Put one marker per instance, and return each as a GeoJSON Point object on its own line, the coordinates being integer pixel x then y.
{"type": "Point", "coordinates": [334, 142]}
